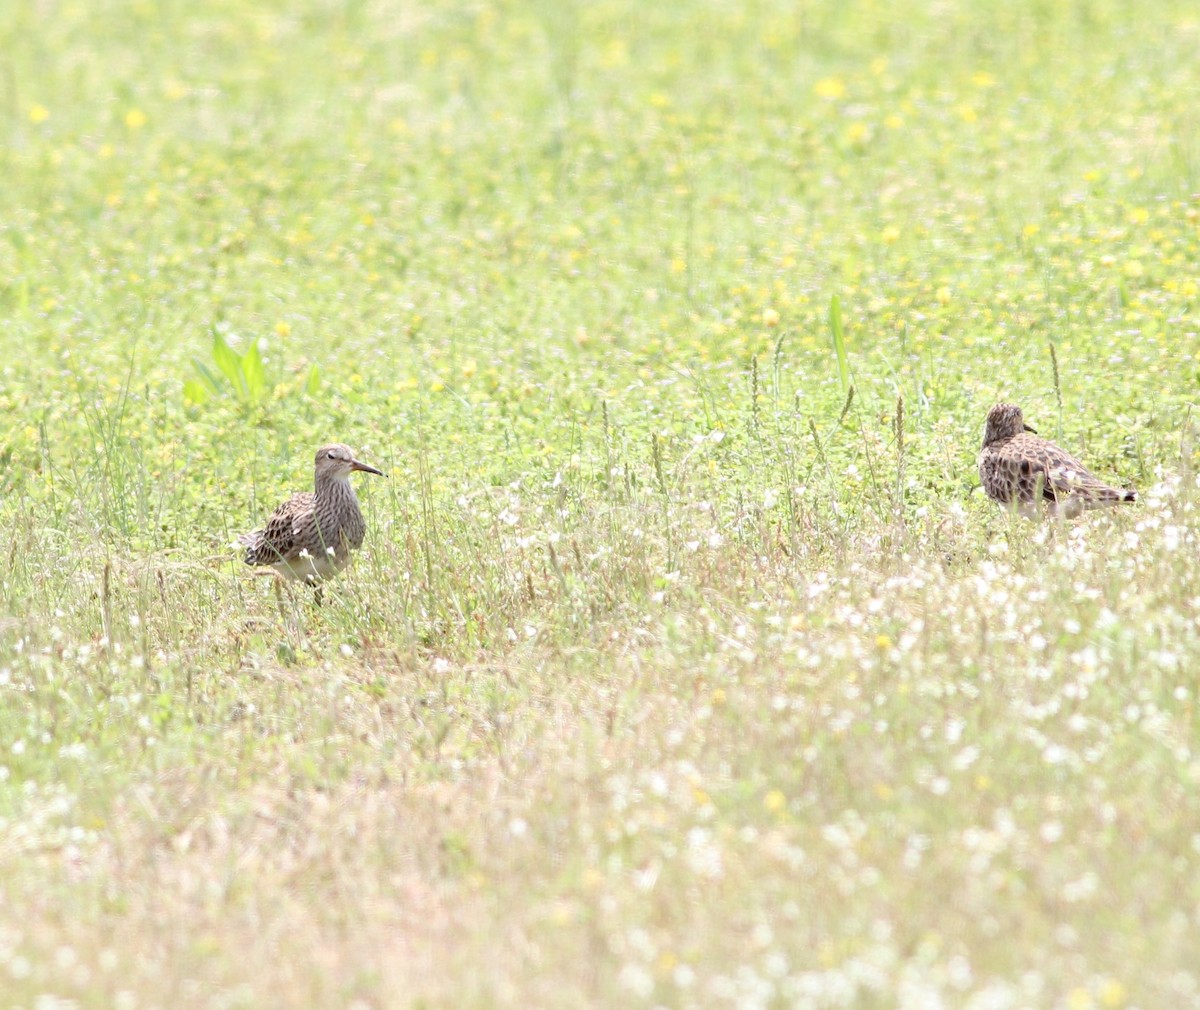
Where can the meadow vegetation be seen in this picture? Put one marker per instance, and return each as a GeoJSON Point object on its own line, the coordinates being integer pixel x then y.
{"type": "Point", "coordinates": [685, 664]}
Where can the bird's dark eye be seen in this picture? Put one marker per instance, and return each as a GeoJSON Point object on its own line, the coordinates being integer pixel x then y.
{"type": "Point", "coordinates": [331, 455]}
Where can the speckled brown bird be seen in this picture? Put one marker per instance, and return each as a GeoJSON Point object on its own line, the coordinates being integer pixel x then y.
{"type": "Point", "coordinates": [310, 536]}
{"type": "Point", "coordinates": [1019, 469]}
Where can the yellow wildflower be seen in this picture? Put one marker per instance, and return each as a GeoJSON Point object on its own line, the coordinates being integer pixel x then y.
{"type": "Point", "coordinates": [829, 87]}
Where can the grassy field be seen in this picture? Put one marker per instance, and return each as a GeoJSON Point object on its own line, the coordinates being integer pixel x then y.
{"type": "Point", "coordinates": [686, 665]}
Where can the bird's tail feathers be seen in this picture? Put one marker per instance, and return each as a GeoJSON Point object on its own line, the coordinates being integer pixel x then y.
{"type": "Point", "coordinates": [252, 542]}
{"type": "Point", "coordinates": [1117, 494]}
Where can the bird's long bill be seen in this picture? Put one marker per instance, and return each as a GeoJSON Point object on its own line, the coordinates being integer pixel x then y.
{"type": "Point", "coordinates": [356, 465]}
{"type": "Point", "coordinates": [1029, 428]}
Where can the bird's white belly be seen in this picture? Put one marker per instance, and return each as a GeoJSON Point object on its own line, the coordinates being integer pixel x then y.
{"type": "Point", "coordinates": [313, 569]}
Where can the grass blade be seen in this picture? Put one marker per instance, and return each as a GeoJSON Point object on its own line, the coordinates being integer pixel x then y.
{"type": "Point", "coordinates": [839, 341]}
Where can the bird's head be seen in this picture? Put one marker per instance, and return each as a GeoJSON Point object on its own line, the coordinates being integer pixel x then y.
{"type": "Point", "coordinates": [337, 461]}
{"type": "Point", "coordinates": [1004, 421]}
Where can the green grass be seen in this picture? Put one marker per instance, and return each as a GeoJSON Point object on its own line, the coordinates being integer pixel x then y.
{"type": "Point", "coordinates": [685, 664]}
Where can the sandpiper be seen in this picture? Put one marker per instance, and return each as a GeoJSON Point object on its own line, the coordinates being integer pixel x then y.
{"type": "Point", "coordinates": [1019, 469]}
{"type": "Point", "coordinates": [310, 536]}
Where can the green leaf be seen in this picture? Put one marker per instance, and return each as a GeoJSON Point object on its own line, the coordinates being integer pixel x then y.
{"type": "Point", "coordinates": [206, 374]}
{"type": "Point", "coordinates": [839, 341]}
{"type": "Point", "coordinates": [254, 374]}
{"type": "Point", "coordinates": [195, 392]}
{"type": "Point", "coordinates": [314, 380]}
{"type": "Point", "coordinates": [229, 363]}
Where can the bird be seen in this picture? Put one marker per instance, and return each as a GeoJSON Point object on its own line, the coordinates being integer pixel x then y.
{"type": "Point", "coordinates": [1020, 469]}
{"type": "Point", "coordinates": [310, 536]}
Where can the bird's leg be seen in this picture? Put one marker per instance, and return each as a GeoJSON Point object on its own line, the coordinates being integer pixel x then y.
{"type": "Point", "coordinates": [288, 614]}
{"type": "Point", "coordinates": [318, 595]}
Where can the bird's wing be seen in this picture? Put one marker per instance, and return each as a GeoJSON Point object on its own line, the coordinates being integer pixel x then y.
{"type": "Point", "coordinates": [1065, 476]}
{"type": "Point", "coordinates": [283, 535]}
